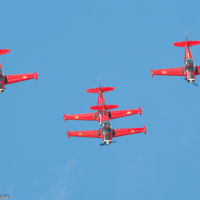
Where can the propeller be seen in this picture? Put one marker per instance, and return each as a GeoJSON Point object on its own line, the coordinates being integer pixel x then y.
{"type": "Point", "coordinates": [102, 144]}
{"type": "Point", "coordinates": [193, 83]}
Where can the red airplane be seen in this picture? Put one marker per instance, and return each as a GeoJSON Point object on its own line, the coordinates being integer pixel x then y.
{"type": "Point", "coordinates": [103, 115]}
{"type": "Point", "coordinates": [189, 70]}
{"type": "Point", "coordinates": [8, 79]}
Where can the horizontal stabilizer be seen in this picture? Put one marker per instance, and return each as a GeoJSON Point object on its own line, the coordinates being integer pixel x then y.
{"type": "Point", "coordinates": [102, 107]}
{"type": "Point", "coordinates": [186, 43]}
{"type": "Point", "coordinates": [4, 51]}
{"type": "Point", "coordinates": [100, 89]}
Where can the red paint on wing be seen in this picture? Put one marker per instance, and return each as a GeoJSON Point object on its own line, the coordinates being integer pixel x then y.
{"type": "Point", "coordinates": [4, 51]}
{"type": "Point", "coordinates": [128, 131]}
{"type": "Point", "coordinates": [86, 116]}
{"type": "Point", "coordinates": [91, 134]}
{"type": "Point", "coordinates": [20, 77]}
{"type": "Point", "coordinates": [168, 72]}
{"type": "Point", "coordinates": [124, 113]}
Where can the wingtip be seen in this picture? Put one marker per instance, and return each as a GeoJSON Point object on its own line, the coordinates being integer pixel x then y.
{"type": "Point", "coordinates": [68, 134]}
{"type": "Point", "coordinates": [145, 130]}
{"type": "Point", "coordinates": [36, 76]}
{"type": "Point", "coordinates": [64, 117]}
{"type": "Point", "coordinates": [152, 74]}
{"type": "Point", "coordinates": [140, 111]}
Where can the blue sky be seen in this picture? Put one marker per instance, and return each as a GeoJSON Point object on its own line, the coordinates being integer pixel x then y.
{"type": "Point", "coordinates": [71, 44]}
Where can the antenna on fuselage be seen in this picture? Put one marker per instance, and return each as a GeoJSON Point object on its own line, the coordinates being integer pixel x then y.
{"type": "Point", "coordinates": [99, 82]}
{"type": "Point", "coordinates": [186, 36]}
{"type": "Point", "coordinates": [186, 39]}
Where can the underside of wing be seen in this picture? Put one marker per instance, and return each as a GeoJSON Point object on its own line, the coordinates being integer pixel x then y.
{"type": "Point", "coordinates": [86, 116]}
{"type": "Point", "coordinates": [20, 77]}
{"type": "Point", "coordinates": [169, 72]}
{"type": "Point", "coordinates": [124, 113]}
{"type": "Point", "coordinates": [90, 134]}
{"type": "Point", "coordinates": [128, 131]}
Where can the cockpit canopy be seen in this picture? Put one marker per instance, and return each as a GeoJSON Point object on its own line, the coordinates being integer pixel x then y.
{"type": "Point", "coordinates": [189, 62]}
{"type": "Point", "coordinates": [106, 131]}
{"type": "Point", "coordinates": [189, 68]}
{"type": "Point", "coordinates": [105, 124]}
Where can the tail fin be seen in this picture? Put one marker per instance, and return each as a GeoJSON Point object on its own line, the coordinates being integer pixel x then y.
{"type": "Point", "coordinates": [186, 43]}
{"type": "Point", "coordinates": [100, 89]}
{"type": "Point", "coordinates": [4, 51]}
{"type": "Point", "coordinates": [102, 107]}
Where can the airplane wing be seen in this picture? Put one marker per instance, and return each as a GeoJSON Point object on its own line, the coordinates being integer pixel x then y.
{"type": "Point", "coordinates": [91, 134]}
{"type": "Point", "coordinates": [124, 113]}
{"type": "Point", "coordinates": [168, 72]}
{"type": "Point", "coordinates": [128, 131]}
{"type": "Point", "coordinates": [86, 116]}
{"type": "Point", "coordinates": [20, 77]}
{"type": "Point", "coordinates": [4, 51]}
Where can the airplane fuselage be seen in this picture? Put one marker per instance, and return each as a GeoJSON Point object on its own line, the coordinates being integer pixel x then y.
{"type": "Point", "coordinates": [104, 121]}
{"type": "Point", "coordinates": [2, 83]}
{"type": "Point", "coordinates": [190, 70]}
{"type": "Point", "coordinates": [189, 67]}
